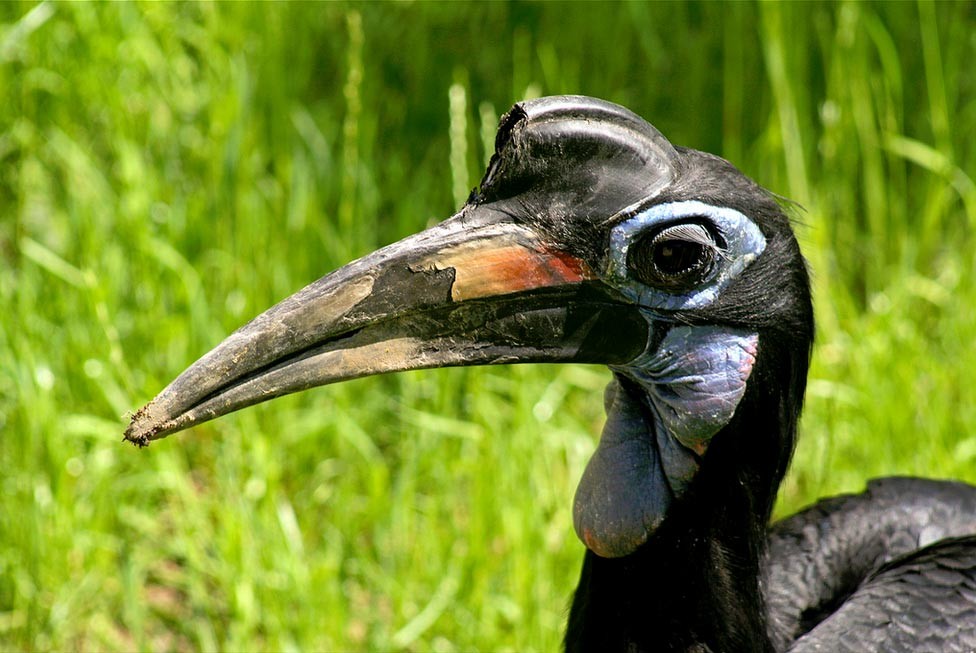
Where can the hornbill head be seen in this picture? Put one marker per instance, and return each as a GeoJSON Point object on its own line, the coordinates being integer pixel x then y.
{"type": "Point", "coordinates": [590, 239]}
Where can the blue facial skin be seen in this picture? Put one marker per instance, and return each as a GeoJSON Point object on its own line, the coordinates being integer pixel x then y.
{"type": "Point", "coordinates": [694, 379]}
{"type": "Point", "coordinates": [743, 242]}
{"type": "Point", "coordinates": [697, 375]}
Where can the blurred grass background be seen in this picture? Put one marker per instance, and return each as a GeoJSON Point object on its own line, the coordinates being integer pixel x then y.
{"type": "Point", "coordinates": [169, 170]}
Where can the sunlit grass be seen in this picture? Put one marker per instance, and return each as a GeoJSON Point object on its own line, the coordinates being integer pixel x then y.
{"type": "Point", "coordinates": [169, 170]}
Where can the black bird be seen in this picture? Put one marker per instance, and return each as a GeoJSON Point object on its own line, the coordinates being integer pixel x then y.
{"type": "Point", "coordinates": [593, 239]}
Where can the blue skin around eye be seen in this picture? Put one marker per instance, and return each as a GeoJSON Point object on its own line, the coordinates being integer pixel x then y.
{"type": "Point", "coordinates": [743, 243]}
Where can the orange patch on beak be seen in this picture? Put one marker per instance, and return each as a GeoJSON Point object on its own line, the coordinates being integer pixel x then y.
{"type": "Point", "coordinates": [510, 268]}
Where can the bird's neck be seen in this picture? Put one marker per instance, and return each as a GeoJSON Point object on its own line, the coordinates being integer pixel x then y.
{"type": "Point", "coordinates": [694, 585]}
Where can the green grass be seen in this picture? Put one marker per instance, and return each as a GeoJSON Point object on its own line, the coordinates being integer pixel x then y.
{"type": "Point", "coordinates": [169, 170]}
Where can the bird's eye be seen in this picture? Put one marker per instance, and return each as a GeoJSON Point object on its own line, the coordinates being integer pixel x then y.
{"type": "Point", "coordinates": [675, 258]}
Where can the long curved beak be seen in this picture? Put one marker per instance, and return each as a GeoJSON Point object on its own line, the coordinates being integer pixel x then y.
{"type": "Point", "coordinates": [476, 289]}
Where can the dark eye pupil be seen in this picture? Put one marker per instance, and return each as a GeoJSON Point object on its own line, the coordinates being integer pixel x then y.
{"type": "Point", "coordinates": [675, 259]}
{"type": "Point", "coordinates": [677, 256]}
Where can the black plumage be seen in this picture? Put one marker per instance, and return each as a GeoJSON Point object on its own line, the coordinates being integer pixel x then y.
{"type": "Point", "coordinates": [899, 556]}
{"type": "Point", "coordinates": [593, 239]}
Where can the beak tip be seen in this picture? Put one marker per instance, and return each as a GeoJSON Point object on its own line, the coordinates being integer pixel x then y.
{"type": "Point", "coordinates": [144, 428]}
{"type": "Point", "coordinates": [137, 441]}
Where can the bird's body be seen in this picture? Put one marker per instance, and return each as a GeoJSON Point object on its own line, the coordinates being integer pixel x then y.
{"type": "Point", "coordinates": [922, 601]}
{"type": "Point", "coordinates": [593, 239]}
{"type": "Point", "coordinates": [900, 556]}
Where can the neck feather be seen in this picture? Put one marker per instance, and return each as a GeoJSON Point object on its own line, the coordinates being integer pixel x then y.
{"type": "Point", "coordinates": [694, 585]}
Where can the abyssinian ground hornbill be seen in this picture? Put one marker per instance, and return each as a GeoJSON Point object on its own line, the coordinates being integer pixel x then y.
{"type": "Point", "coordinates": [593, 239]}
